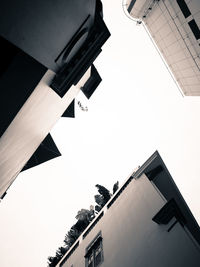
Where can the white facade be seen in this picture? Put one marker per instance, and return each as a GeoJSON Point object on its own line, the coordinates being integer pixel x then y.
{"type": "Point", "coordinates": [24, 135]}
{"type": "Point", "coordinates": [174, 25]}
{"type": "Point", "coordinates": [131, 235]}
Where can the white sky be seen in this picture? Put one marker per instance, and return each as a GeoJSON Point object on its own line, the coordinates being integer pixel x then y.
{"type": "Point", "coordinates": [136, 110]}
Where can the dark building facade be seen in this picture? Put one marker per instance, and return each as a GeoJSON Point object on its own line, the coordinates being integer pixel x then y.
{"type": "Point", "coordinates": [47, 50]}
{"type": "Point", "coordinates": [145, 223]}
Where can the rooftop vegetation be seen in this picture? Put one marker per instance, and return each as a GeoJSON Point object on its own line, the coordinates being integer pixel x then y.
{"type": "Point", "coordinates": [84, 218]}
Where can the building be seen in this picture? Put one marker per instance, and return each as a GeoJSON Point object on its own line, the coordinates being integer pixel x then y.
{"type": "Point", "coordinates": [174, 27]}
{"type": "Point", "coordinates": [145, 223]}
{"type": "Point", "coordinates": [47, 55]}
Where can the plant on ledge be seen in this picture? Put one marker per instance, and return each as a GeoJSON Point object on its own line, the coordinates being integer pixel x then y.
{"type": "Point", "coordinates": [84, 217]}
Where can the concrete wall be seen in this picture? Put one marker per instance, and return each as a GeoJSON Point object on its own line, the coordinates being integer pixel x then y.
{"type": "Point", "coordinates": [173, 36]}
{"type": "Point", "coordinates": [131, 238]}
{"type": "Point", "coordinates": [24, 135]}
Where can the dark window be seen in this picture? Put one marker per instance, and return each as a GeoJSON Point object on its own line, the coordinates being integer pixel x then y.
{"type": "Point", "coordinates": [94, 253]}
{"type": "Point", "coordinates": [195, 29]}
{"type": "Point", "coordinates": [90, 260]}
{"type": "Point", "coordinates": [98, 255]}
{"type": "Point", "coordinates": [184, 8]}
{"type": "Point", "coordinates": [131, 5]}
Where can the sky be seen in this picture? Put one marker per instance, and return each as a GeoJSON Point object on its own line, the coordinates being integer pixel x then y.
{"type": "Point", "coordinates": [136, 110]}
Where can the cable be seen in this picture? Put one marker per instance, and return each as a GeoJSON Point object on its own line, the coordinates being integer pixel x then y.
{"type": "Point", "coordinates": [81, 106]}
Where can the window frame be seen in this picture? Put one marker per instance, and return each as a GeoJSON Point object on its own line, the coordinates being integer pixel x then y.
{"type": "Point", "coordinates": [91, 250]}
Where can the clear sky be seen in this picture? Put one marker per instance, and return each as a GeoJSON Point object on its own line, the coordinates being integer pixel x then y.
{"type": "Point", "coordinates": [136, 110]}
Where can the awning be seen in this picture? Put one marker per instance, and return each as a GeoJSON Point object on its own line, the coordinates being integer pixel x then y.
{"type": "Point", "coordinates": [46, 151]}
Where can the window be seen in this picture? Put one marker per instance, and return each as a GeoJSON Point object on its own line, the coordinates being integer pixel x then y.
{"type": "Point", "coordinates": [94, 253]}
{"type": "Point", "coordinates": [132, 3]}
{"type": "Point", "coordinates": [184, 8]}
{"type": "Point", "coordinates": [195, 29]}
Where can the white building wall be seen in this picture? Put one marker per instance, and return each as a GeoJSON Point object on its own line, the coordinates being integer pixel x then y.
{"type": "Point", "coordinates": [24, 135]}
{"type": "Point", "coordinates": [173, 36]}
{"type": "Point", "coordinates": [131, 238]}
